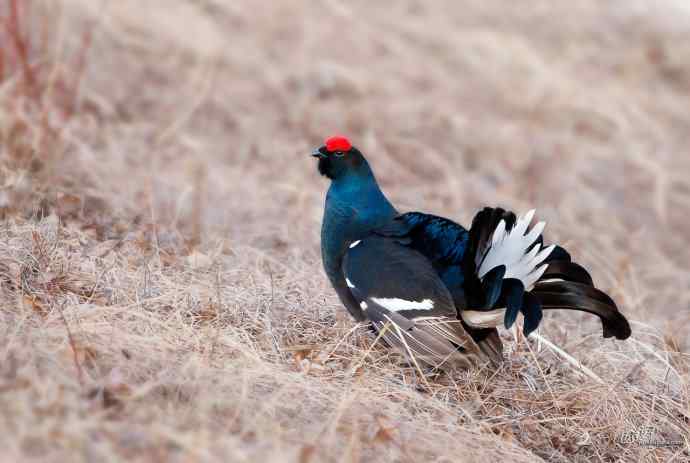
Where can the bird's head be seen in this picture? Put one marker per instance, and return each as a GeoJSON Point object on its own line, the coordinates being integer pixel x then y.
{"type": "Point", "coordinates": [338, 158]}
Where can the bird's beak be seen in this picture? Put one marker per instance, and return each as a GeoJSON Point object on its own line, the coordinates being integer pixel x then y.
{"type": "Point", "coordinates": [317, 153]}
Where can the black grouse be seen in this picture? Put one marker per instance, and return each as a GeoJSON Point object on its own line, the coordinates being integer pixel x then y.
{"type": "Point", "coordinates": [433, 289]}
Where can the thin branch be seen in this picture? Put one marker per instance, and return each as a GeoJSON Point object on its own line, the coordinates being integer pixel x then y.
{"type": "Point", "coordinates": [567, 357]}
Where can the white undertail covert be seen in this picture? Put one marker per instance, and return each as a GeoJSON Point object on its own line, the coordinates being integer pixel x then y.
{"type": "Point", "coordinates": [509, 248]}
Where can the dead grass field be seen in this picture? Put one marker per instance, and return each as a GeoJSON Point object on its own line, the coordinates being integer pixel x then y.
{"type": "Point", "coordinates": [162, 292]}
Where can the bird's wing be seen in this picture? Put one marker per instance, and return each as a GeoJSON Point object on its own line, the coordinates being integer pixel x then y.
{"type": "Point", "coordinates": [445, 244]}
{"type": "Point", "coordinates": [401, 293]}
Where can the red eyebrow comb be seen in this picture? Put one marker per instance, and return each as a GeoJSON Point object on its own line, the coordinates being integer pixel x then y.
{"type": "Point", "coordinates": [338, 143]}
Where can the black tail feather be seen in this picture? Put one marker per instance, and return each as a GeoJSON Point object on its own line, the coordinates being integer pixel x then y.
{"type": "Point", "coordinates": [577, 289]}
{"type": "Point", "coordinates": [563, 285]}
{"type": "Point", "coordinates": [571, 295]}
{"type": "Point", "coordinates": [513, 292]}
{"type": "Point", "coordinates": [569, 271]}
{"type": "Point", "coordinates": [532, 311]}
{"type": "Point", "coordinates": [480, 234]}
{"type": "Point", "coordinates": [483, 227]}
{"type": "Point", "coordinates": [493, 285]}
{"type": "Point", "coordinates": [559, 254]}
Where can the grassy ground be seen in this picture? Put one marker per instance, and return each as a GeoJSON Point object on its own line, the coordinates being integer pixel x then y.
{"type": "Point", "coordinates": [162, 293]}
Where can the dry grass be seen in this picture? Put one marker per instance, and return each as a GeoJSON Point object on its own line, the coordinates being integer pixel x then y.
{"type": "Point", "coordinates": [162, 294]}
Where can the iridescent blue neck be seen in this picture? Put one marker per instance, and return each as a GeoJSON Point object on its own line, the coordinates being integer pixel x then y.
{"type": "Point", "coordinates": [359, 191]}
{"type": "Point", "coordinates": [355, 206]}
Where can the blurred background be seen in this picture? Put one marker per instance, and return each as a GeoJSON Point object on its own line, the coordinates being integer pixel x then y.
{"type": "Point", "coordinates": [185, 126]}
{"type": "Point", "coordinates": [200, 115]}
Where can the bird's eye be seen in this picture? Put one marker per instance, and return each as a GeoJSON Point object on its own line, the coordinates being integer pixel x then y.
{"type": "Point", "coordinates": [339, 154]}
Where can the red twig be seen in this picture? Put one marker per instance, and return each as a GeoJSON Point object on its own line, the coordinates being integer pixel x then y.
{"type": "Point", "coordinates": [79, 69]}
{"type": "Point", "coordinates": [21, 46]}
{"type": "Point", "coordinates": [73, 346]}
{"type": "Point", "coordinates": [22, 50]}
{"type": "Point", "coordinates": [2, 58]}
